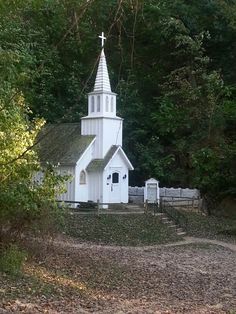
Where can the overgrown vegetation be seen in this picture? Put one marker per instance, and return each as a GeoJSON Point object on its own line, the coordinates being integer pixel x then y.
{"type": "Point", "coordinates": [23, 200]}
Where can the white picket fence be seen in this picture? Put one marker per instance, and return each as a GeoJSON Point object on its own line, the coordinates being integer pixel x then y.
{"type": "Point", "coordinates": [175, 196]}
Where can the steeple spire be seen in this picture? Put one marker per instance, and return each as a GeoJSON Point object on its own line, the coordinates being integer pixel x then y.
{"type": "Point", "coordinates": [102, 82]}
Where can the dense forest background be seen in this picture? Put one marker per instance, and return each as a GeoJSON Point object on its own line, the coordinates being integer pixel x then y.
{"type": "Point", "coordinates": [172, 63]}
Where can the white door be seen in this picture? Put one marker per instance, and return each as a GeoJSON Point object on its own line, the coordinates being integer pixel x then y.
{"type": "Point", "coordinates": [115, 187]}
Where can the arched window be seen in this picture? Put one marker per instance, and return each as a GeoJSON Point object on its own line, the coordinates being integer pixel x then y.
{"type": "Point", "coordinates": [115, 177]}
{"type": "Point", "coordinates": [82, 177]}
{"type": "Point", "coordinates": [98, 104]}
{"type": "Point", "coordinates": [107, 104]}
{"type": "Point", "coordinates": [112, 105]}
{"type": "Point", "coordinates": [92, 104]}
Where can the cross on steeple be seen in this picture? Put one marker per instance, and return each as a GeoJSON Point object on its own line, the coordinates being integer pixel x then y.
{"type": "Point", "coordinates": [102, 38]}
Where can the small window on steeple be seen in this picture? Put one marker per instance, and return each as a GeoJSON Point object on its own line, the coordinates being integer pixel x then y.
{"type": "Point", "coordinates": [92, 104]}
{"type": "Point", "coordinates": [112, 105]}
{"type": "Point", "coordinates": [98, 104]}
{"type": "Point", "coordinates": [107, 104]}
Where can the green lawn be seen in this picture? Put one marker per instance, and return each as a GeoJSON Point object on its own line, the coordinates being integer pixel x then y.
{"type": "Point", "coordinates": [119, 229]}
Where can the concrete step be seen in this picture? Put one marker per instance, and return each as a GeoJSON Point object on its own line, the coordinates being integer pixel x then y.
{"type": "Point", "coordinates": [160, 214]}
{"type": "Point", "coordinates": [181, 233]}
{"type": "Point", "coordinates": [134, 207]}
{"type": "Point", "coordinates": [121, 212]}
{"type": "Point", "coordinates": [172, 226]}
{"type": "Point", "coordinates": [163, 218]}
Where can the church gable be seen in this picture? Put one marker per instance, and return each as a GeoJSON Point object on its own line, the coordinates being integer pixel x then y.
{"type": "Point", "coordinates": [119, 157]}
{"type": "Point", "coordinates": [101, 164]}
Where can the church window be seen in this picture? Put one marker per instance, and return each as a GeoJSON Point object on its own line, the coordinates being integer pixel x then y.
{"type": "Point", "coordinates": [107, 104]}
{"type": "Point", "coordinates": [115, 177]}
{"type": "Point", "coordinates": [82, 177]}
{"type": "Point", "coordinates": [92, 104]}
{"type": "Point", "coordinates": [98, 103]}
{"type": "Point", "coordinates": [112, 104]}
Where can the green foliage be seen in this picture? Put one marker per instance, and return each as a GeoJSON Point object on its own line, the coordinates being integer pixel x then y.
{"type": "Point", "coordinates": [11, 260]}
{"type": "Point", "coordinates": [23, 200]}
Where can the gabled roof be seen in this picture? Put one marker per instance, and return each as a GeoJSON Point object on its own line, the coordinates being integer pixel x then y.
{"type": "Point", "coordinates": [101, 164]}
{"type": "Point", "coordinates": [62, 143]}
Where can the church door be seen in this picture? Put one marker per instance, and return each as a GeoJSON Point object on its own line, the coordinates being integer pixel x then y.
{"type": "Point", "coordinates": [115, 189]}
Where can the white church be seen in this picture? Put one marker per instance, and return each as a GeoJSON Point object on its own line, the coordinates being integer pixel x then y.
{"type": "Point", "coordinates": [91, 151]}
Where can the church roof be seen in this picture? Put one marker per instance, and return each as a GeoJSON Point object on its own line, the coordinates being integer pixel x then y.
{"type": "Point", "coordinates": [100, 164]}
{"type": "Point", "coordinates": [102, 82]}
{"type": "Point", "coordinates": [62, 143]}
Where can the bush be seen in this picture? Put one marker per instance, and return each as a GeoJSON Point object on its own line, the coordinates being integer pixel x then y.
{"type": "Point", "coordinates": [12, 260]}
{"type": "Point", "coordinates": [23, 200]}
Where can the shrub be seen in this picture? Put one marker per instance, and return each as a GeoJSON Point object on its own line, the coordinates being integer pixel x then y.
{"type": "Point", "coordinates": [23, 201]}
{"type": "Point", "coordinates": [12, 259]}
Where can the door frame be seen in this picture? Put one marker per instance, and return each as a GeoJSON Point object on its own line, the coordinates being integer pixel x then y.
{"type": "Point", "coordinates": [117, 185]}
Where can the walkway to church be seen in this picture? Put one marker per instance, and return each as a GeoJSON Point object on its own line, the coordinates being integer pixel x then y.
{"type": "Point", "coordinates": [118, 209]}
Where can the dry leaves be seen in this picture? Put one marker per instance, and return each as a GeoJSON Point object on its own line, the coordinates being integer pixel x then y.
{"type": "Point", "coordinates": [197, 278]}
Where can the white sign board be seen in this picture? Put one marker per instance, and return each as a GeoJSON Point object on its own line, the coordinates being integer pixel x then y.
{"type": "Point", "coordinates": [151, 192]}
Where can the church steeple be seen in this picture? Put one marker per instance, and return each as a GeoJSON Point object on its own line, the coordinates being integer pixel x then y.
{"type": "Point", "coordinates": [102, 120]}
{"type": "Point", "coordinates": [102, 101]}
{"type": "Point", "coordinates": [102, 82]}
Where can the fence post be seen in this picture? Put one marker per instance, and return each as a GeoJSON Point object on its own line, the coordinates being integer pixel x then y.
{"type": "Point", "coordinates": [155, 208]}
{"type": "Point", "coordinates": [98, 207]}
{"type": "Point", "coordinates": [146, 206]}
{"type": "Point", "coordinates": [199, 204]}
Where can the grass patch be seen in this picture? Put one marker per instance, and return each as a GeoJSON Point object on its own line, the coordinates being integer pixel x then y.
{"type": "Point", "coordinates": [120, 229]}
{"type": "Point", "coordinates": [210, 226]}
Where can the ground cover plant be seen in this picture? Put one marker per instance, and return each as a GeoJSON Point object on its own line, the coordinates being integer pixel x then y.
{"type": "Point", "coordinates": [126, 230]}
{"type": "Point", "coordinates": [199, 225]}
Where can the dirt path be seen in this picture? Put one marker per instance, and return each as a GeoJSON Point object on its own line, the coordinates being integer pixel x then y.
{"type": "Point", "coordinates": [68, 242]}
{"type": "Point", "coordinates": [189, 240]}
